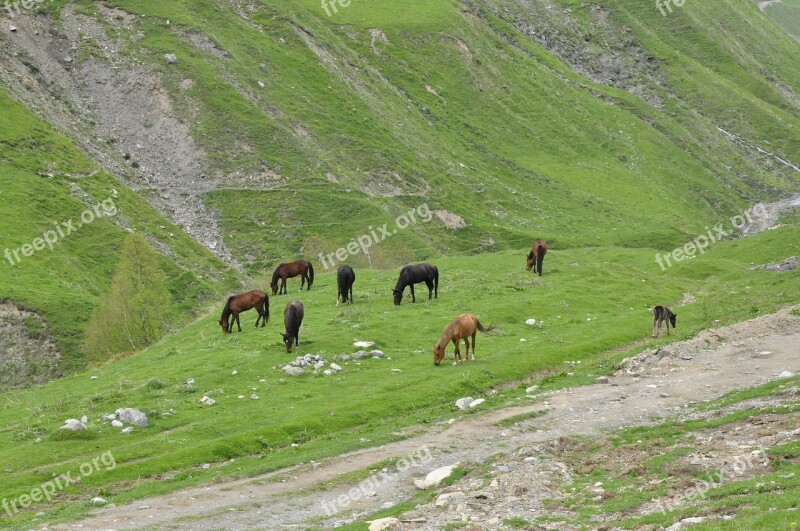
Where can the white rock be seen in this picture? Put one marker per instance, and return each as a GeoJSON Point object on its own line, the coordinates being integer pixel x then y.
{"type": "Point", "coordinates": [693, 520]}
{"type": "Point", "coordinates": [97, 500]}
{"type": "Point", "coordinates": [335, 367]}
{"type": "Point", "coordinates": [319, 364]}
{"type": "Point", "coordinates": [73, 425]}
{"type": "Point", "coordinates": [170, 57]}
{"type": "Point", "coordinates": [786, 374]}
{"type": "Point", "coordinates": [532, 388]}
{"type": "Point", "coordinates": [435, 477]}
{"type": "Point", "coordinates": [384, 523]}
{"type": "Point", "coordinates": [376, 354]}
{"type": "Point", "coordinates": [463, 403]}
{"type": "Point", "coordinates": [208, 401]}
{"type": "Point", "coordinates": [294, 371]}
{"type": "Point", "coordinates": [477, 402]}
{"type": "Point", "coordinates": [132, 416]}
{"type": "Point", "coordinates": [117, 424]}
{"type": "Point", "coordinates": [93, 378]}
{"type": "Point", "coordinates": [240, 397]}
{"type": "Point", "coordinates": [128, 429]}
{"type": "Point", "coordinates": [530, 322]}
{"type": "Point", "coordinates": [190, 381]}
{"type": "Point", "coordinates": [397, 370]}
{"type": "Point", "coordinates": [84, 419]}
{"type": "Point", "coordinates": [444, 499]}
{"type": "Point", "coordinates": [364, 344]}
{"type": "Point", "coordinates": [254, 397]}
{"type": "Point", "coordinates": [235, 372]}
{"type": "Point", "coordinates": [601, 379]}
{"type": "Point", "coordinates": [327, 372]}
{"type": "Point", "coordinates": [522, 340]}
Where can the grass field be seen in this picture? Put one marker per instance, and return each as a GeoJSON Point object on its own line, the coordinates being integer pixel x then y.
{"type": "Point", "coordinates": [589, 302]}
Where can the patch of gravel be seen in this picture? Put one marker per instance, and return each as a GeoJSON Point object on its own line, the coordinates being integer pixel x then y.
{"type": "Point", "coordinates": [28, 355]}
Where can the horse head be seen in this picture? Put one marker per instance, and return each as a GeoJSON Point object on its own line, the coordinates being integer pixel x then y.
{"type": "Point", "coordinates": [288, 339]}
{"type": "Point", "coordinates": [224, 324]}
{"type": "Point", "coordinates": [438, 354]}
{"type": "Point", "coordinates": [673, 319]}
{"type": "Point", "coordinates": [398, 296]}
{"type": "Point", "coordinates": [531, 259]}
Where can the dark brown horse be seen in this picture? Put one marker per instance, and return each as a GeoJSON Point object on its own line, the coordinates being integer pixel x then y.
{"type": "Point", "coordinates": [462, 327]}
{"type": "Point", "coordinates": [241, 303]}
{"type": "Point", "coordinates": [291, 270]}
{"type": "Point", "coordinates": [292, 319]}
{"type": "Point", "coordinates": [414, 274]}
{"type": "Point", "coordinates": [345, 278]}
{"type": "Point", "coordinates": [536, 256]}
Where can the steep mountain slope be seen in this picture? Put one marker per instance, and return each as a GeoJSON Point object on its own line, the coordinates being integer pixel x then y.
{"type": "Point", "coordinates": [49, 189]}
{"type": "Point", "coordinates": [279, 130]}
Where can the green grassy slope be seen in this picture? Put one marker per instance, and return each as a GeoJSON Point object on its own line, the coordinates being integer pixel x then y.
{"type": "Point", "coordinates": [787, 14]}
{"type": "Point", "coordinates": [590, 301]}
{"type": "Point", "coordinates": [456, 104]}
{"type": "Point", "coordinates": [44, 180]}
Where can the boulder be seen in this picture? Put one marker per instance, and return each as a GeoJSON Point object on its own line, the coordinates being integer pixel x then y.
{"type": "Point", "coordinates": [435, 477]}
{"type": "Point", "coordinates": [294, 371]}
{"type": "Point", "coordinates": [376, 354]}
{"type": "Point", "coordinates": [73, 425]}
{"type": "Point", "coordinates": [463, 403]}
{"type": "Point", "coordinates": [384, 523]}
{"type": "Point", "coordinates": [132, 416]}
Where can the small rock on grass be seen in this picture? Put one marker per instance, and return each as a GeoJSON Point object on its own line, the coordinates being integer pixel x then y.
{"type": "Point", "coordinates": [384, 523]}
{"type": "Point", "coordinates": [435, 477]}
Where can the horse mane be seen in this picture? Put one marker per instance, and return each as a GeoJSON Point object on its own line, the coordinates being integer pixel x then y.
{"type": "Point", "coordinates": [227, 308]}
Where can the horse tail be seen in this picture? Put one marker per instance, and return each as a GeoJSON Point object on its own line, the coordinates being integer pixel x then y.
{"type": "Point", "coordinates": [436, 281]}
{"type": "Point", "coordinates": [540, 258]}
{"type": "Point", "coordinates": [483, 329]}
{"type": "Point", "coordinates": [310, 274]}
{"type": "Point", "coordinates": [266, 308]}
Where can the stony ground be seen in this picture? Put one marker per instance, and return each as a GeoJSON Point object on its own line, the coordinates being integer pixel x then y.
{"type": "Point", "coordinates": [540, 459]}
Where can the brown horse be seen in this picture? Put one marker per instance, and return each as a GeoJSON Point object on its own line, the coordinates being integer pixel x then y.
{"type": "Point", "coordinates": [462, 327]}
{"type": "Point", "coordinates": [241, 303]}
{"type": "Point", "coordinates": [292, 318]}
{"type": "Point", "coordinates": [291, 270]}
{"type": "Point", "coordinates": [536, 256]}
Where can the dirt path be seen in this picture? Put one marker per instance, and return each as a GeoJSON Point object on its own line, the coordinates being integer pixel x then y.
{"type": "Point", "coordinates": [654, 383]}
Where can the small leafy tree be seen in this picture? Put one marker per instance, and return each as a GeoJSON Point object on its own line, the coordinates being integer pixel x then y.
{"type": "Point", "coordinates": [134, 314]}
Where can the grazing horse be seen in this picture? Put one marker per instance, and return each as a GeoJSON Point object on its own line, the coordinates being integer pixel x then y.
{"type": "Point", "coordinates": [241, 303]}
{"type": "Point", "coordinates": [462, 327]}
{"type": "Point", "coordinates": [344, 279]}
{"type": "Point", "coordinates": [291, 270]}
{"type": "Point", "coordinates": [536, 256]}
{"type": "Point", "coordinates": [292, 319]}
{"type": "Point", "coordinates": [663, 314]}
{"type": "Point", "coordinates": [414, 274]}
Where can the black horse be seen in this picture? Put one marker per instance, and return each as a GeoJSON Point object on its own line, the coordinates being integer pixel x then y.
{"type": "Point", "coordinates": [414, 274]}
{"type": "Point", "coordinates": [292, 319]}
{"type": "Point", "coordinates": [345, 278]}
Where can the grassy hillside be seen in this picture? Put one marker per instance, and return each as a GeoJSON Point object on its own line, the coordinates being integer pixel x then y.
{"type": "Point", "coordinates": [594, 305]}
{"type": "Point", "coordinates": [46, 184]}
{"type": "Point", "coordinates": [787, 14]}
{"type": "Point", "coordinates": [373, 110]}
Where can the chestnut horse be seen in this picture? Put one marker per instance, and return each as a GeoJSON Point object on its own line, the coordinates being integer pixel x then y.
{"type": "Point", "coordinates": [536, 256]}
{"type": "Point", "coordinates": [462, 327]}
{"type": "Point", "coordinates": [291, 270]}
{"type": "Point", "coordinates": [292, 319]}
{"type": "Point", "coordinates": [241, 303]}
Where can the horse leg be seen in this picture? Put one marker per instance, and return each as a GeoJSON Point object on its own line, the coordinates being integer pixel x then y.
{"type": "Point", "coordinates": [283, 287]}
{"type": "Point", "coordinates": [239, 324]}
{"type": "Point", "coordinates": [230, 323]}
{"type": "Point", "coordinates": [351, 294]}
{"type": "Point", "coordinates": [429, 283]}
{"type": "Point", "coordinates": [457, 353]}
{"type": "Point", "coordinates": [474, 335]}
{"type": "Point", "coordinates": [413, 299]}
{"type": "Point", "coordinates": [302, 281]}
